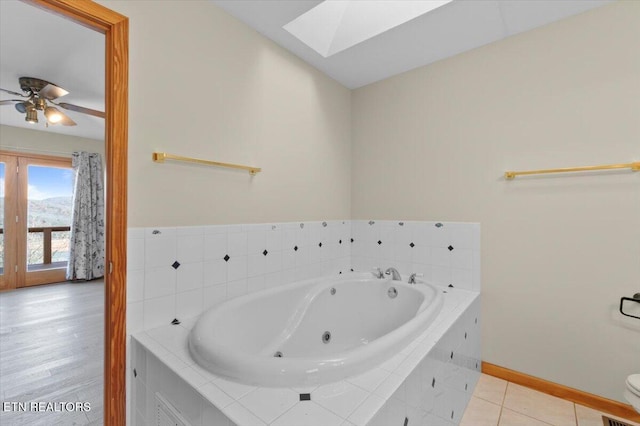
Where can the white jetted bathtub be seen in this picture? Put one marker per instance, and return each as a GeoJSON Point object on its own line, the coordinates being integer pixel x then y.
{"type": "Point", "coordinates": [312, 332]}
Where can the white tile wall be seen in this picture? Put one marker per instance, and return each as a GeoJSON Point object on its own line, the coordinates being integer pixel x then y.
{"type": "Point", "coordinates": [179, 272]}
{"type": "Point", "coordinates": [266, 255]}
{"type": "Point", "coordinates": [446, 253]}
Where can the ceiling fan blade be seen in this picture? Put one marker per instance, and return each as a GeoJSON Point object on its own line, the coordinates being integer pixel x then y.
{"type": "Point", "coordinates": [51, 92]}
{"type": "Point", "coordinates": [66, 121]}
{"type": "Point", "coordinates": [83, 110]}
{"type": "Point", "coordinates": [13, 93]}
{"type": "Point", "coordinates": [10, 101]}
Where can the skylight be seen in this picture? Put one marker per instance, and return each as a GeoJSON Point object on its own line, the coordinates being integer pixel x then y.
{"type": "Point", "coordinates": [336, 25]}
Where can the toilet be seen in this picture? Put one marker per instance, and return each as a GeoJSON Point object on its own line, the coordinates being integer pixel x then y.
{"type": "Point", "coordinates": [632, 392]}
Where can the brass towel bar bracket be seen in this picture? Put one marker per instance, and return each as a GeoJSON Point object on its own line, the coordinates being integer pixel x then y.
{"type": "Point", "coordinates": [635, 166]}
{"type": "Point", "coordinates": [160, 157]}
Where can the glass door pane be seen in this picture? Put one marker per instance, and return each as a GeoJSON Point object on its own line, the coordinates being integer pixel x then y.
{"type": "Point", "coordinates": [49, 208]}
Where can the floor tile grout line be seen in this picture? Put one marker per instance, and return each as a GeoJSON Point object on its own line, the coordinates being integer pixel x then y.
{"type": "Point", "coordinates": [577, 421]}
{"type": "Point", "coordinates": [504, 396]}
{"type": "Point", "coordinates": [530, 416]}
{"type": "Point", "coordinates": [500, 416]}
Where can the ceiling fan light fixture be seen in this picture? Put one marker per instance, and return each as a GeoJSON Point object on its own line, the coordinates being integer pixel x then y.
{"type": "Point", "coordinates": [53, 115]}
{"type": "Point", "coordinates": [32, 115]}
{"type": "Point", "coordinates": [41, 104]}
{"type": "Point", "coordinates": [21, 107]}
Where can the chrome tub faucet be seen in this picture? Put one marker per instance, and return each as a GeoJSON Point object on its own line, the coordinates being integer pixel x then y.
{"type": "Point", "coordinates": [395, 275]}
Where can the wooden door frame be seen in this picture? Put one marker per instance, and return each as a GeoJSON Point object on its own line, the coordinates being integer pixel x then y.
{"type": "Point", "coordinates": [9, 275]}
{"type": "Point", "coordinates": [115, 27]}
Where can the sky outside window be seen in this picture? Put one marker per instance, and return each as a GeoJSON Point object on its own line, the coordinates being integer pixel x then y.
{"type": "Point", "coordinates": [50, 182]}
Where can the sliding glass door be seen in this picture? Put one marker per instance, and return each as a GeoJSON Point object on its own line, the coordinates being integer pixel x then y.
{"type": "Point", "coordinates": [37, 198]}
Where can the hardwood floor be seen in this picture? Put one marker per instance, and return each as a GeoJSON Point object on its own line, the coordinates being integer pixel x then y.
{"type": "Point", "coordinates": [51, 351]}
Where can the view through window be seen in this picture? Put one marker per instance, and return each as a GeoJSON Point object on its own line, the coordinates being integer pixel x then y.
{"type": "Point", "coordinates": [50, 197]}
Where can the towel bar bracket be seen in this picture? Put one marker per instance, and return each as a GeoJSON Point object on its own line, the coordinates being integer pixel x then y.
{"type": "Point", "coordinates": [635, 298]}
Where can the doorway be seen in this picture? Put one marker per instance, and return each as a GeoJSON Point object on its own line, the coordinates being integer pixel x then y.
{"type": "Point", "coordinates": [36, 222]}
{"type": "Point", "coordinates": [115, 28]}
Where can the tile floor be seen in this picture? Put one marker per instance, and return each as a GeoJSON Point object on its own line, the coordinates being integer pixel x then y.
{"type": "Point", "coordinates": [496, 402]}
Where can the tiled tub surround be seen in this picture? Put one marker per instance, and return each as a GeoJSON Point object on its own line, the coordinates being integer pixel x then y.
{"type": "Point", "coordinates": [180, 272]}
{"type": "Point", "coordinates": [429, 382]}
{"type": "Point", "coordinates": [444, 252]}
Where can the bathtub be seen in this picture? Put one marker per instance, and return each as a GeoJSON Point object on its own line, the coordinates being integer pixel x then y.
{"type": "Point", "coordinates": [312, 332]}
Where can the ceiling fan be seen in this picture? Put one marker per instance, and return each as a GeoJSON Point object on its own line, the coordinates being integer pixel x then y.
{"type": "Point", "coordinates": [39, 94]}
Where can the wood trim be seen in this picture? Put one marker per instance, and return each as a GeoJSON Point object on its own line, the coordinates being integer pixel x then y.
{"type": "Point", "coordinates": [83, 12]}
{"type": "Point", "coordinates": [590, 400]}
{"type": "Point", "coordinates": [48, 276]}
{"type": "Point", "coordinates": [24, 277]}
{"type": "Point", "coordinates": [115, 27]}
{"type": "Point", "coordinates": [9, 277]}
{"type": "Point", "coordinates": [117, 61]}
{"type": "Point", "coordinates": [36, 156]}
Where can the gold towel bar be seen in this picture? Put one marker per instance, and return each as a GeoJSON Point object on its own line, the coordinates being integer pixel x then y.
{"type": "Point", "coordinates": [633, 166]}
{"type": "Point", "coordinates": [159, 157]}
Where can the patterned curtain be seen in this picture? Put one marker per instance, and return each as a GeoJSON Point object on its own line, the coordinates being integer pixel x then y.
{"type": "Point", "coordinates": [86, 256]}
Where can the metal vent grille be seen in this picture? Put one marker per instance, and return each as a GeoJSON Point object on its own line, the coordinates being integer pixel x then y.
{"type": "Point", "coordinates": [607, 421]}
{"type": "Point", "coordinates": [167, 415]}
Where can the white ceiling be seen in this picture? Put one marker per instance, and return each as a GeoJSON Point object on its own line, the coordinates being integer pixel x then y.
{"type": "Point", "coordinates": [35, 43]}
{"type": "Point", "coordinates": [453, 28]}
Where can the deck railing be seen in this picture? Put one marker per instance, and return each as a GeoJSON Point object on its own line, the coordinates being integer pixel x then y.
{"type": "Point", "coordinates": [46, 241]}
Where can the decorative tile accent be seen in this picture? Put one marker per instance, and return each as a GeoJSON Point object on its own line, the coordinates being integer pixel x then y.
{"type": "Point", "coordinates": [421, 247]}
{"type": "Point", "coordinates": [219, 262]}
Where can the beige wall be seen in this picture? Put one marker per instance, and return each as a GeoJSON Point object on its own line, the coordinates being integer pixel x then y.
{"type": "Point", "coordinates": [558, 252]}
{"type": "Point", "coordinates": [205, 85]}
{"type": "Point", "coordinates": [432, 144]}
{"type": "Point", "coordinates": [43, 142]}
